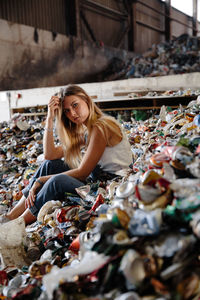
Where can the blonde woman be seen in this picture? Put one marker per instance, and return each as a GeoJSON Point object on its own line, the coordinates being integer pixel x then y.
{"type": "Point", "coordinates": [106, 148]}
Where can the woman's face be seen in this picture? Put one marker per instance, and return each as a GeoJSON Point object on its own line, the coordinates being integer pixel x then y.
{"type": "Point", "coordinates": [75, 109]}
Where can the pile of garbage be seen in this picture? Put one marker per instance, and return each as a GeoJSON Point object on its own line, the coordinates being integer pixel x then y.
{"type": "Point", "coordinates": [136, 236]}
{"type": "Point", "coordinates": [20, 150]}
{"type": "Point", "coordinates": [178, 56]}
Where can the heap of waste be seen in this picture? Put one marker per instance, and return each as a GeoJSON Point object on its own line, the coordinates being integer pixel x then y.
{"type": "Point", "coordinates": [133, 237]}
{"type": "Point", "coordinates": [178, 56]}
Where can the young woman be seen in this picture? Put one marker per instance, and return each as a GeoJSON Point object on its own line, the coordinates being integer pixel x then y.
{"type": "Point", "coordinates": [106, 147]}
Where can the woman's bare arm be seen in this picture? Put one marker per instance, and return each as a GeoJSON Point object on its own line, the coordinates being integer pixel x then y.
{"type": "Point", "coordinates": [96, 147]}
{"type": "Point", "coordinates": [51, 151]}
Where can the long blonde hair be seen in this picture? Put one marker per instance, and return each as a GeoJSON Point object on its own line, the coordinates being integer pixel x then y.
{"type": "Point", "coordinates": [72, 136]}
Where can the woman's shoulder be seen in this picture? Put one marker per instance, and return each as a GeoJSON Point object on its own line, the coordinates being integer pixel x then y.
{"type": "Point", "coordinates": [108, 120]}
{"type": "Point", "coordinates": [112, 130]}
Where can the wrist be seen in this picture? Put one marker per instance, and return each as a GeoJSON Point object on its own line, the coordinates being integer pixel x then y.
{"type": "Point", "coordinates": [49, 121]}
{"type": "Point", "coordinates": [49, 124]}
{"type": "Point", "coordinates": [39, 181]}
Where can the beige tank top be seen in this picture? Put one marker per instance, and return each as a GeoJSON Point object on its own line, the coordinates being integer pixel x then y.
{"type": "Point", "coordinates": [117, 157]}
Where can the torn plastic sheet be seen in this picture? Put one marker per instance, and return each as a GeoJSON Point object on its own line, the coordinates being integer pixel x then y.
{"type": "Point", "coordinates": [11, 243]}
{"type": "Point", "coordinates": [90, 262]}
{"type": "Point", "coordinates": [12, 233]}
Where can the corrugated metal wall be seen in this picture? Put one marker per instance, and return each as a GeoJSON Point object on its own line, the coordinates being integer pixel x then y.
{"type": "Point", "coordinates": [43, 14]}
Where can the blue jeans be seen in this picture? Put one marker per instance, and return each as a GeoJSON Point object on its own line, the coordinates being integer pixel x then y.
{"type": "Point", "coordinates": [56, 187]}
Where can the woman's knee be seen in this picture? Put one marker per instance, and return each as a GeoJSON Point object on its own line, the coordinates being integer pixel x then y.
{"type": "Point", "coordinates": [58, 180]}
{"type": "Point", "coordinates": [50, 163]}
{"type": "Point", "coordinates": [53, 167]}
{"type": "Point", "coordinates": [62, 182]}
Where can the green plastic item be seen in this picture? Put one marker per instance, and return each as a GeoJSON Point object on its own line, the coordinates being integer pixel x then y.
{"type": "Point", "coordinates": [139, 115]}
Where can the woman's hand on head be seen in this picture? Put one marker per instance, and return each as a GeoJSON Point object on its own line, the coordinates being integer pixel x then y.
{"type": "Point", "coordinates": [32, 194]}
{"type": "Point", "coordinates": [53, 105]}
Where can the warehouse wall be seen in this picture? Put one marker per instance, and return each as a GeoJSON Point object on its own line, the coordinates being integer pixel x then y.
{"type": "Point", "coordinates": [129, 25]}
{"type": "Point", "coordinates": [104, 21]}
{"type": "Point", "coordinates": [97, 21]}
{"type": "Point", "coordinates": [148, 25]}
{"type": "Point", "coordinates": [25, 63]}
{"type": "Point", "coordinates": [52, 15]}
{"type": "Point", "coordinates": [179, 28]}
